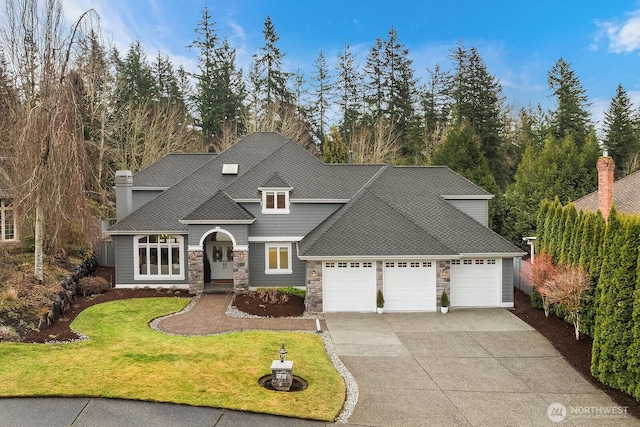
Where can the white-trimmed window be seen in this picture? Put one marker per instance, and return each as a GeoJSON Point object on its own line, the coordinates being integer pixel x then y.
{"type": "Point", "coordinates": [275, 201]}
{"type": "Point", "coordinates": [7, 220]}
{"type": "Point", "coordinates": [277, 258]}
{"type": "Point", "coordinates": [158, 257]}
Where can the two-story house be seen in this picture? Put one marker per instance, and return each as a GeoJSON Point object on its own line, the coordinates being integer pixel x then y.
{"type": "Point", "coordinates": [266, 212]}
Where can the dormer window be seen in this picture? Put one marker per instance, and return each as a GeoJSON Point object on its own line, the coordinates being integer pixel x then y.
{"type": "Point", "coordinates": [275, 201]}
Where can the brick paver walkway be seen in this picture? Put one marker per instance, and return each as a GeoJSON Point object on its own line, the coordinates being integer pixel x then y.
{"type": "Point", "coordinates": [208, 317]}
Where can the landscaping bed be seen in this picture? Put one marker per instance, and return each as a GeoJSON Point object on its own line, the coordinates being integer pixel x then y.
{"type": "Point", "coordinates": [577, 352]}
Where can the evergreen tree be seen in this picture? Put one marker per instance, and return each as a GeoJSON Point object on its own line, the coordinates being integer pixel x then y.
{"type": "Point", "coordinates": [461, 152]}
{"type": "Point", "coordinates": [605, 298]}
{"type": "Point", "coordinates": [633, 353]}
{"type": "Point", "coordinates": [135, 83]}
{"type": "Point", "coordinates": [400, 89]}
{"type": "Point", "coordinates": [334, 150]}
{"type": "Point", "coordinates": [477, 98]}
{"type": "Point", "coordinates": [624, 279]}
{"type": "Point", "coordinates": [571, 118]}
{"type": "Point", "coordinates": [270, 80]}
{"type": "Point", "coordinates": [574, 243]}
{"type": "Point", "coordinates": [322, 92]}
{"type": "Point", "coordinates": [220, 91]}
{"type": "Point", "coordinates": [168, 90]}
{"type": "Point", "coordinates": [435, 101]}
{"type": "Point", "coordinates": [374, 83]}
{"type": "Point", "coordinates": [620, 137]}
{"type": "Point", "coordinates": [569, 218]}
{"type": "Point", "coordinates": [348, 88]}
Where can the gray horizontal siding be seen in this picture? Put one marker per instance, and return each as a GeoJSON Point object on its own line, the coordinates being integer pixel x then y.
{"type": "Point", "coordinates": [476, 209]}
{"type": "Point", "coordinates": [125, 268]}
{"type": "Point", "coordinates": [257, 278]}
{"type": "Point", "coordinates": [142, 197]}
{"type": "Point", "coordinates": [303, 217]}
{"type": "Point", "coordinates": [239, 232]}
{"type": "Point", "coordinates": [507, 280]}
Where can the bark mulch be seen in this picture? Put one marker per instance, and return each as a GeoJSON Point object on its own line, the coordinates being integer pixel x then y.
{"type": "Point", "coordinates": [577, 352]}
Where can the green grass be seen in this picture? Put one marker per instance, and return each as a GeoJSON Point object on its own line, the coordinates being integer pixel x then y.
{"type": "Point", "coordinates": [126, 359]}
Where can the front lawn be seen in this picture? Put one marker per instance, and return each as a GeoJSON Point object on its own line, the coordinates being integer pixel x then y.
{"type": "Point", "coordinates": [124, 358]}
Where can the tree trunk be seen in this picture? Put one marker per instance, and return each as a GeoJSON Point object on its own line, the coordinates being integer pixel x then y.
{"type": "Point", "coordinates": [39, 242]}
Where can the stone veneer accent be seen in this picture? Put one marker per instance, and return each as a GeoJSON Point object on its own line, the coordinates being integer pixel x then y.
{"type": "Point", "coordinates": [240, 271]}
{"type": "Point", "coordinates": [379, 277]}
{"type": "Point", "coordinates": [443, 279]}
{"type": "Point", "coordinates": [196, 271]}
{"type": "Point", "coordinates": [313, 299]}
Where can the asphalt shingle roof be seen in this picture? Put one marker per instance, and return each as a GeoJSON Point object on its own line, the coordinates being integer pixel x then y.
{"type": "Point", "coordinates": [388, 211]}
{"type": "Point", "coordinates": [171, 169]}
{"type": "Point", "coordinates": [219, 208]}
{"type": "Point", "coordinates": [626, 196]}
{"type": "Point", "coordinates": [396, 215]}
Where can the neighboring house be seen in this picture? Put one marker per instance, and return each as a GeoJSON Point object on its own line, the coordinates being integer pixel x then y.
{"type": "Point", "coordinates": [8, 230]}
{"type": "Point", "coordinates": [266, 212]}
{"type": "Point", "coordinates": [624, 193]}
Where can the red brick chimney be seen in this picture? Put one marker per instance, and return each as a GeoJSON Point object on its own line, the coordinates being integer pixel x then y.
{"type": "Point", "coordinates": [605, 166]}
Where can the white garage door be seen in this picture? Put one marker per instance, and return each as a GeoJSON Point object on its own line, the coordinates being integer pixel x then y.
{"type": "Point", "coordinates": [476, 282]}
{"type": "Point", "coordinates": [349, 286]}
{"type": "Point", "coordinates": [410, 286]}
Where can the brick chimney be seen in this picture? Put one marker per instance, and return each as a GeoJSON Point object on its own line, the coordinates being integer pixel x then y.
{"type": "Point", "coordinates": [605, 167]}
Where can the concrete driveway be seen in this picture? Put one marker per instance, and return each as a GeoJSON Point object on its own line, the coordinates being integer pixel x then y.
{"type": "Point", "coordinates": [478, 367]}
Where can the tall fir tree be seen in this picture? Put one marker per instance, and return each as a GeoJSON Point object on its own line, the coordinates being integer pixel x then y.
{"type": "Point", "coordinates": [477, 98]}
{"type": "Point", "coordinates": [219, 93]}
{"type": "Point", "coordinates": [269, 77]}
{"type": "Point", "coordinates": [322, 84]}
{"type": "Point", "coordinates": [620, 137]}
{"type": "Point", "coordinates": [571, 117]}
{"type": "Point", "coordinates": [348, 89]}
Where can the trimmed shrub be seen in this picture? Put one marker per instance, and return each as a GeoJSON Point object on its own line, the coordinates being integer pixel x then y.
{"type": "Point", "coordinates": [92, 285]}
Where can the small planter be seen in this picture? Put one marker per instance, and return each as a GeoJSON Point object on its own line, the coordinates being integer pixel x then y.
{"type": "Point", "coordinates": [444, 302]}
{"type": "Point", "coordinates": [379, 302]}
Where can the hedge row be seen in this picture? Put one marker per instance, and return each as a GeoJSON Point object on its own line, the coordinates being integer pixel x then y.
{"type": "Point", "coordinates": [610, 252]}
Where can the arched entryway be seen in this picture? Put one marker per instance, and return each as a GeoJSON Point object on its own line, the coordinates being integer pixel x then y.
{"type": "Point", "coordinates": [218, 262]}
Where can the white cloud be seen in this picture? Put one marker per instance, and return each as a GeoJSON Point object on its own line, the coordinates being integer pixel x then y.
{"type": "Point", "coordinates": [623, 36]}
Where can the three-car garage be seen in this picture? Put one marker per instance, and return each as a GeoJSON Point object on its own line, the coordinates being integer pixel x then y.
{"type": "Point", "coordinates": [409, 285]}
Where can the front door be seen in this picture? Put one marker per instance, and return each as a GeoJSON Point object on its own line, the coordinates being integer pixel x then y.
{"type": "Point", "coordinates": [220, 257]}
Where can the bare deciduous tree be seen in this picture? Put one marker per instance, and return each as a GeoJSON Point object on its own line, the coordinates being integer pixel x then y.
{"type": "Point", "coordinates": [47, 161]}
{"type": "Point", "coordinates": [566, 289]}
{"type": "Point", "coordinates": [379, 144]}
{"type": "Point", "coordinates": [286, 119]}
{"type": "Point", "coordinates": [539, 275]}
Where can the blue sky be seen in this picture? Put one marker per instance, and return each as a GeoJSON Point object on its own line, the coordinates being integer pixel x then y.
{"type": "Point", "coordinates": [518, 40]}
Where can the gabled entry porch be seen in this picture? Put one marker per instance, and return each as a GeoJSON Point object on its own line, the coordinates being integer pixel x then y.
{"type": "Point", "coordinates": [218, 264]}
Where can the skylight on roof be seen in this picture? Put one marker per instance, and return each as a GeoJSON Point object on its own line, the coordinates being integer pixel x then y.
{"type": "Point", "coordinates": [230, 169]}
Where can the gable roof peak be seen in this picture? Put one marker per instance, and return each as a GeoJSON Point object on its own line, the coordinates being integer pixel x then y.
{"type": "Point", "coordinates": [275, 181]}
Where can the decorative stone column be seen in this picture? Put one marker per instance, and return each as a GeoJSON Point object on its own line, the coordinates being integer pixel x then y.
{"type": "Point", "coordinates": [443, 280]}
{"type": "Point", "coordinates": [313, 298]}
{"type": "Point", "coordinates": [240, 271]}
{"type": "Point", "coordinates": [196, 271]}
{"type": "Point", "coordinates": [379, 276]}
